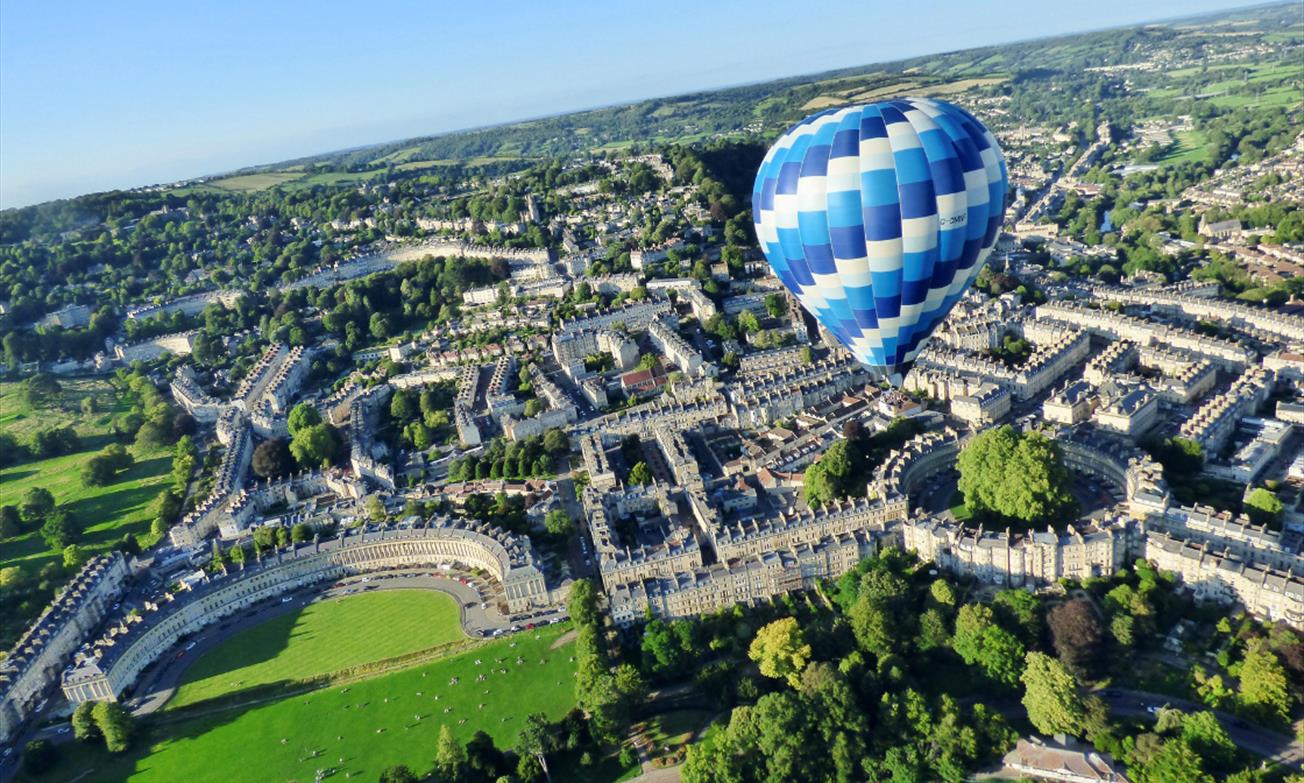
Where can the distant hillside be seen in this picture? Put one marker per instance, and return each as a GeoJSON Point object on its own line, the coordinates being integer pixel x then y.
{"type": "Point", "coordinates": [771, 106]}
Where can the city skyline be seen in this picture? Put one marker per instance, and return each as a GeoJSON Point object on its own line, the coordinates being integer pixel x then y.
{"type": "Point", "coordinates": [121, 130]}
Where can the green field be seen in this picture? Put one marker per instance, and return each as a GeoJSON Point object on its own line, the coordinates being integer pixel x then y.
{"type": "Point", "coordinates": [1191, 146]}
{"type": "Point", "coordinates": [392, 719]}
{"type": "Point", "coordinates": [22, 420]}
{"type": "Point", "coordinates": [252, 183]}
{"type": "Point", "coordinates": [104, 512]}
{"type": "Point", "coordinates": [322, 638]}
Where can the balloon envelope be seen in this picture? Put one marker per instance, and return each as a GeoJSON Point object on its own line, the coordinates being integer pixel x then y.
{"type": "Point", "coordinates": [879, 217]}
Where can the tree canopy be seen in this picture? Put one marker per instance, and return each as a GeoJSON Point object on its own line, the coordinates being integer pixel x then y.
{"type": "Point", "coordinates": [1016, 475]}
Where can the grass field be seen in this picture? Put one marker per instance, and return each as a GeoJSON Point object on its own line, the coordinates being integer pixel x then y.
{"type": "Point", "coordinates": [1191, 146]}
{"type": "Point", "coordinates": [252, 183]}
{"type": "Point", "coordinates": [104, 512]}
{"type": "Point", "coordinates": [322, 638]}
{"type": "Point", "coordinates": [899, 89]}
{"type": "Point", "coordinates": [22, 420]}
{"type": "Point", "coordinates": [392, 719]}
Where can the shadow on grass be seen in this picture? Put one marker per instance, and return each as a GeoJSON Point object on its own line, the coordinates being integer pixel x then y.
{"type": "Point", "coordinates": [251, 646]}
{"type": "Point", "coordinates": [84, 762]}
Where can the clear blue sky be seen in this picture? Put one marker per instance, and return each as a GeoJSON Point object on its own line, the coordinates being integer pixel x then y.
{"type": "Point", "coordinates": [100, 95]}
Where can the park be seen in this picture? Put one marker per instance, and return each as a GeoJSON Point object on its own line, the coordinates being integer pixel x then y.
{"type": "Point", "coordinates": [356, 726]}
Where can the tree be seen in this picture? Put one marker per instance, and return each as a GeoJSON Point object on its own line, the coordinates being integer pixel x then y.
{"type": "Point", "coordinates": [1263, 507]}
{"type": "Point", "coordinates": [1264, 688]}
{"type": "Point", "coordinates": [73, 557]}
{"type": "Point", "coordinates": [375, 508]}
{"type": "Point", "coordinates": [1017, 475]}
{"type": "Point", "coordinates": [1208, 738]}
{"type": "Point", "coordinates": [11, 522]}
{"type": "Point", "coordinates": [666, 647]}
{"type": "Point", "coordinates": [1051, 696]}
{"type": "Point", "coordinates": [533, 407]}
{"type": "Point", "coordinates": [450, 756]}
{"type": "Point", "coordinates": [39, 388]}
{"type": "Point", "coordinates": [933, 632]}
{"type": "Point", "coordinates": [12, 578]}
{"type": "Point", "coordinates": [774, 305]}
{"type": "Point", "coordinates": [315, 445]}
{"type": "Point", "coordinates": [97, 472]}
{"type": "Point", "coordinates": [39, 756]}
{"type": "Point", "coordinates": [36, 503]}
{"type": "Point", "coordinates": [556, 442]}
{"type": "Point", "coordinates": [780, 649]}
{"type": "Point", "coordinates": [640, 474]}
{"type": "Point", "coordinates": [398, 773]}
{"type": "Point", "coordinates": [533, 740]}
{"type": "Point", "coordinates": [941, 593]}
{"type": "Point", "coordinates": [303, 415]}
{"type": "Point", "coordinates": [58, 531]}
{"type": "Point", "coordinates": [154, 434]}
{"type": "Point", "coordinates": [558, 523]}
{"type": "Point", "coordinates": [83, 723]}
{"type": "Point", "coordinates": [114, 724]}
{"type": "Point", "coordinates": [1077, 632]}
{"type": "Point", "coordinates": [978, 639]}
{"type": "Point", "coordinates": [582, 605]}
{"type": "Point", "coordinates": [1021, 609]}
{"type": "Point", "coordinates": [875, 626]}
{"type": "Point", "coordinates": [1175, 762]}
{"type": "Point", "coordinates": [402, 407]}
{"type": "Point", "coordinates": [834, 475]}
{"type": "Point", "coordinates": [272, 458]}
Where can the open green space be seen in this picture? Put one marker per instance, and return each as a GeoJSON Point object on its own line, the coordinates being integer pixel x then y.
{"type": "Point", "coordinates": [668, 735]}
{"type": "Point", "coordinates": [391, 719]}
{"type": "Point", "coordinates": [20, 419]}
{"type": "Point", "coordinates": [1191, 145]}
{"type": "Point", "coordinates": [1274, 98]}
{"type": "Point", "coordinates": [252, 183]}
{"type": "Point", "coordinates": [958, 508]}
{"type": "Point", "coordinates": [105, 513]}
{"type": "Point", "coordinates": [322, 638]}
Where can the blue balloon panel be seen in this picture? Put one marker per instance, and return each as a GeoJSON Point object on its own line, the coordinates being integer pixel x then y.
{"type": "Point", "coordinates": [879, 217]}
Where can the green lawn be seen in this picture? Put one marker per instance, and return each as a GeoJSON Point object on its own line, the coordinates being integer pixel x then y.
{"type": "Point", "coordinates": [104, 512]}
{"type": "Point", "coordinates": [959, 510]}
{"type": "Point", "coordinates": [1191, 146]}
{"type": "Point", "coordinates": [322, 638]}
{"type": "Point", "coordinates": [392, 719]}
{"type": "Point", "coordinates": [22, 420]}
{"type": "Point", "coordinates": [252, 183]}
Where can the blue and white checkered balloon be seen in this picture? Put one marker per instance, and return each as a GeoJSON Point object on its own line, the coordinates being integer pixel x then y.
{"type": "Point", "coordinates": [879, 217]}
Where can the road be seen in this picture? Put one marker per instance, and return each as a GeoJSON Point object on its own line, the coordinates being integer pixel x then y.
{"type": "Point", "coordinates": [1270, 745]}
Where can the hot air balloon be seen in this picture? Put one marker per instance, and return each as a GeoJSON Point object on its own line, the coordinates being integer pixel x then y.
{"type": "Point", "coordinates": [878, 218]}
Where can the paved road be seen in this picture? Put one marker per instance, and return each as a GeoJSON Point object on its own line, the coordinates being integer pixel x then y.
{"type": "Point", "coordinates": [1278, 747]}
